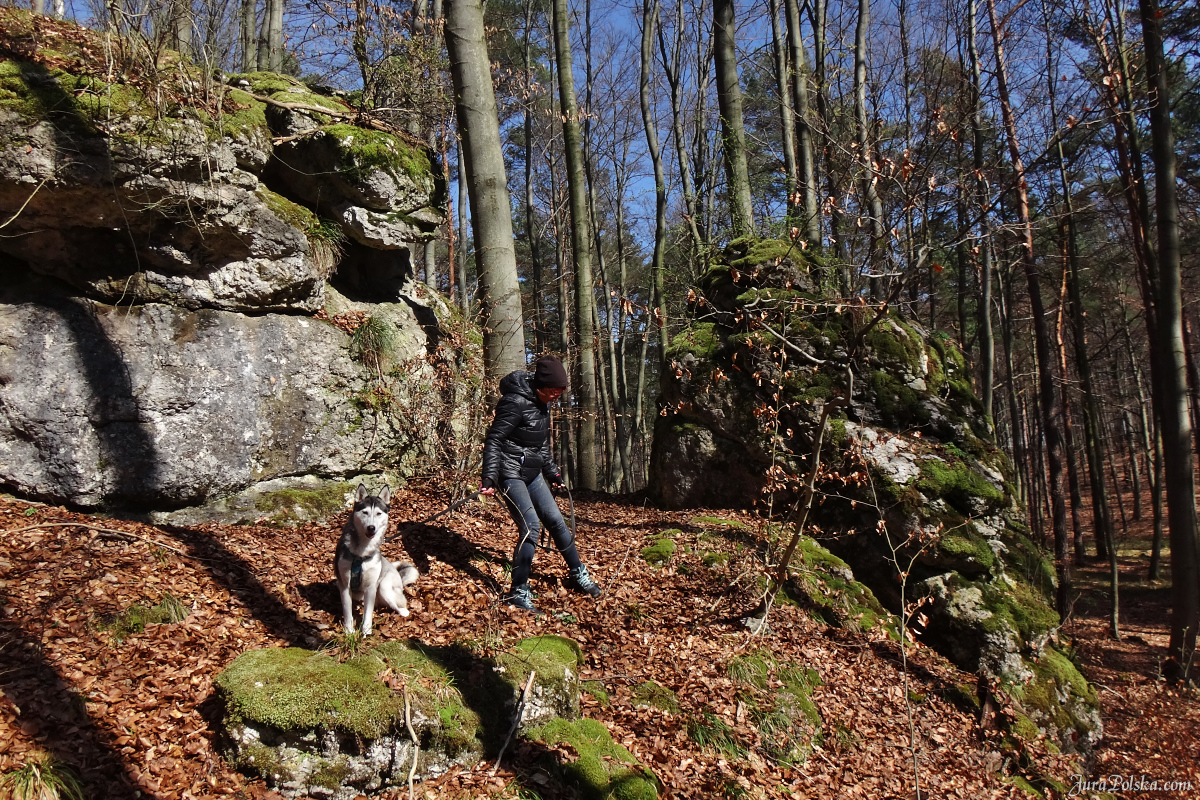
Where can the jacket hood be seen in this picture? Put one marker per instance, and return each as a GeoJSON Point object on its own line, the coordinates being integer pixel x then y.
{"type": "Point", "coordinates": [518, 382]}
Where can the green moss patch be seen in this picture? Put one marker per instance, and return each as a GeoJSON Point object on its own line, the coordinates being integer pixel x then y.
{"type": "Point", "coordinates": [957, 483]}
{"type": "Point", "coordinates": [546, 654]}
{"type": "Point", "coordinates": [707, 522]}
{"type": "Point", "coordinates": [298, 505]}
{"type": "Point", "coordinates": [967, 549]}
{"type": "Point", "coordinates": [598, 691]}
{"type": "Point", "coordinates": [822, 582]}
{"type": "Point", "coordinates": [900, 406]}
{"type": "Point", "coordinates": [656, 696]}
{"type": "Point", "coordinates": [700, 339]}
{"type": "Point", "coordinates": [779, 696]}
{"type": "Point", "coordinates": [747, 253]}
{"type": "Point", "coordinates": [1018, 608]}
{"type": "Point", "coordinates": [292, 688]}
{"type": "Point", "coordinates": [1054, 676]}
{"type": "Point", "coordinates": [896, 343]}
{"type": "Point", "coordinates": [135, 618]}
{"type": "Point", "coordinates": [660, 552]}
{"type": "Point", "coordinates": [364, 151]}
{"type": "Point", "coordinates": [604, 769]}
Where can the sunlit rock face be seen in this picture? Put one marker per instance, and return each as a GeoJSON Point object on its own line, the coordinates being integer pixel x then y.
{"type": "Point", "coordinates": [177, 319]}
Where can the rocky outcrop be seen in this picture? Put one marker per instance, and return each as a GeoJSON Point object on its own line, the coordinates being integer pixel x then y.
{"type": "Point", "coordinates": [914, 484]}
{"type": "Point", "coordinates": [313, 726]}
{"type": "Point", "coordinates": [183, 279]}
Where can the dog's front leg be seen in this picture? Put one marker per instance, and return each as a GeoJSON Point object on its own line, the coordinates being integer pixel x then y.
{"type": "Point", "coordinates": [348, 609]}
{"type": "Point", "coordinates": [369, 608]}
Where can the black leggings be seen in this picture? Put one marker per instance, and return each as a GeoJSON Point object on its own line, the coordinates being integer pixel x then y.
{"type": "Point", "coordinates": [532, 505]}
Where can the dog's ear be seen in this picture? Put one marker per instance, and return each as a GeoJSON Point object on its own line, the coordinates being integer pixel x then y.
{"type": "Point", "coordinates": [361, 493]}
{"type": "Point", "coordinates": [385, 495]}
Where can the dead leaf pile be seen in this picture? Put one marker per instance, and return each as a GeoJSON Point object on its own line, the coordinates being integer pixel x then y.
{"type": "Point", "coordinates": [139, 714]}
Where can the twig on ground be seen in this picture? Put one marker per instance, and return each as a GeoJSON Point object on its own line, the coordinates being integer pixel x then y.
{"type": "Point", "coordinates": [105, 532]}
{"type": "Point", "coordinates": [516, 720]}
{"type": "Point", "coordinates": [416, 744]}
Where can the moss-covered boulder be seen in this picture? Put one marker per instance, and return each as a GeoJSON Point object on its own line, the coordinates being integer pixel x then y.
{"type": "Point", "coordinates": [914, 486]}
{"type": "Point", "coordinates": [314, 726]}
{"type": "Point", "coordinates": [602, 768]}
{"type": "Point", "coordinates": [164, 183]}
{"type": "Point", "coordinates": [198, 310]}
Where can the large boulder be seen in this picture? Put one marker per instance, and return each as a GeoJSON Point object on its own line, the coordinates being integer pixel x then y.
{"type": "Point", "coordinates": [314, 726]}
{"type": "Point", "coordinates": [914, 485]}
{"type": "Point", "coordinates": [186, 322]}
{"type": "Point", "coordinates": [128, 198]}
{"type": "Point", "coordinates": [157, 406]}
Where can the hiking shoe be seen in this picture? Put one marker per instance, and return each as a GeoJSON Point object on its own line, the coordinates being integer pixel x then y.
{"type": "Point", "coordinates": [584, 583]}
{"type": "Point", "coordinates": [521, 597]}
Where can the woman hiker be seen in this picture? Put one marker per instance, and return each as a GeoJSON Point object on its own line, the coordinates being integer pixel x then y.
{"type": "Point", "coordinates": [517, 462]}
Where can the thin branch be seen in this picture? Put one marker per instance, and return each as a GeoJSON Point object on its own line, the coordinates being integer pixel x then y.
{"type": "Point", "coordinates": [517, 719]}
{"type": "Point", "coordinates": [107, 532]}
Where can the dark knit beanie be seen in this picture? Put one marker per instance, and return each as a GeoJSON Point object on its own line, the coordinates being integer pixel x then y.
{"type": "Point", "coordinates": [548, 373]}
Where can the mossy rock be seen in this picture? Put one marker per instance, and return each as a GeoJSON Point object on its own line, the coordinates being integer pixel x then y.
{"type": "Point", "coordinates": [1057, 701]}
{"type": "Point", "coordinates": [135, 618]}
{"type": "Point", "coordinates": [604, 769]}
{"type": "Point", "coordinates": [824, 584]}
{"type": "Point", "coordinates": [295, 689]}
{"type": "Point", "coordinates": [364, 151]}
{"type": "Point", "coordinates": [659, 553]}
{"type": "Point", "coordinates": [295, 715]}
{"type": "Point", "coordinates": [699, 339]}
{"type": "Point", "coordinates": [288, 506]}
{"type": "Point", "coordinates": [960, 485]}
{"type": "Point", "coordinates": [655, 695]}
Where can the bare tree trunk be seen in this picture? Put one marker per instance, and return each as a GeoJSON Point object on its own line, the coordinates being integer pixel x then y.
{"type": "Point", "coordinates": [483, 170]}
{"type": "Point", "coordinates": [463, 205]}
{"type": "Point", "coordinates": [672, 70]}
{"type": "Point", "coordinates": [1018, 432]}
{"type": "Point", "coordinates": [870, 195]}
{"type": "Point", "coordinates": [649, 20]}
{"type": "Point", "coordinates": [733, 132]}
{"type": "Point", "coordinates": [819, 11]}
{"type": "Point", "coordinates": [249, 42]}
{"type": "Point", "coordinates": [1065, 410]}
{"type": "Point", "coordinates": [1041, 334]}
{"type": "Point", "coordinates": [804, 144]}
{"type": "Point", "coordinates": [787, 121]}
{"type": "Point", "coordinates": [987, 347]}
{"type": "Point", "coordinates": [531, 233]}
{"type": "Point", "coordinates": [1171, 378]}
{"type": "Point", "coordinates": [275, 36]}
{"type": "Point", "coordinates": [585, 392]}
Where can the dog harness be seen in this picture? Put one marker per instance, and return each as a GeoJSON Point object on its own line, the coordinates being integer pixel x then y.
{"type": "Point", "coordinates": [356, 566]}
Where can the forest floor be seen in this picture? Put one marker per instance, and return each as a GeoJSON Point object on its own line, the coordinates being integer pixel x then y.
{"type": "Point", "coordinates": [136, 716]}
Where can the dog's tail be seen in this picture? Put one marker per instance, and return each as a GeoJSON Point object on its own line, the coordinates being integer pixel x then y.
{"type": "Point", "coordinates": [408, 573]}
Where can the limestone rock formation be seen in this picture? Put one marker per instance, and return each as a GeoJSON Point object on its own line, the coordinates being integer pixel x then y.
{"type": "Point", "coordinates": [915, 484]}
{"type": "Point", "coordinates": [183, 281]}
{"type": "Point", "coordinates": [316, 727]}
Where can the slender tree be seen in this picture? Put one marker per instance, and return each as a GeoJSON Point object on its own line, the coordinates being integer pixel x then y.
{"type": "Point", "coordinates": [1045, 362]}
{"type": "Point", "coordinates": [1170, 382]}
{"type": "Point", "coordinates": [733, 131]}
{"type": "Point", "coordinates": [585, 392]}
{"type": "Point", "coordinates": [483, 170]}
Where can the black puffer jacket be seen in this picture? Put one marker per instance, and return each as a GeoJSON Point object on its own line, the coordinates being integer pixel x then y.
{"type": "Point", "coordinates": [518, 443]}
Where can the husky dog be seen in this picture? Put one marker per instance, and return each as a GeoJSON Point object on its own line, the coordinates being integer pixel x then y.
{"type": "Point", "coordinates": [362, 571]}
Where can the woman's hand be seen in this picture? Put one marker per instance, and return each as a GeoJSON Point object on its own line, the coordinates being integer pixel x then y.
{"type": "Point", "coordinates": [488, 492]}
